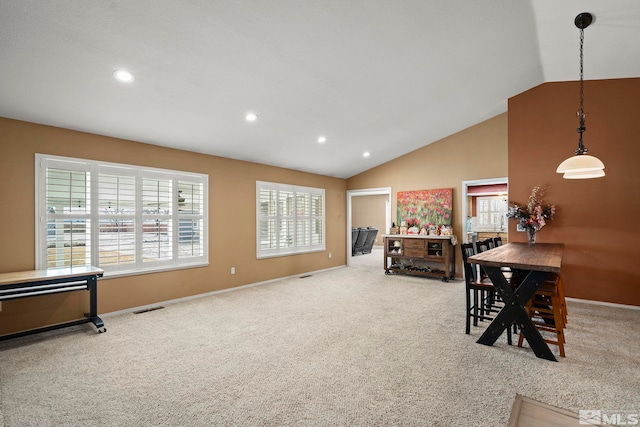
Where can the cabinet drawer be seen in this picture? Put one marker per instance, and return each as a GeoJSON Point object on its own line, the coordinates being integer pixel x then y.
{"type": "Point", "coordinates": [414, 252]}
{"type": "Point", "coordinates": [414, 244]}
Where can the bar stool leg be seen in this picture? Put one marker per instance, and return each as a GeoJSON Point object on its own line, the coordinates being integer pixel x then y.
{"type": "Point", "coordinates": [555, 313]}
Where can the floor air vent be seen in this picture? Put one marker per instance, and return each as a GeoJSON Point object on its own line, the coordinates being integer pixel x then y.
{"type": "Point", "coordinates": [146, 310]}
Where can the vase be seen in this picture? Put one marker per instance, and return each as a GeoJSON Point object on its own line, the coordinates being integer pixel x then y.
{"type": "Point", "coordinates": [531, 234]}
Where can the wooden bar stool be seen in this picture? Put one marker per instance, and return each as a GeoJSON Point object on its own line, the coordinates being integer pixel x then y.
{"type": "Point", "coordinates": [556, 280]}
{"type": "Point", "coordinates": [480, 293]}
{"type": "Point", "coordinates": [545, 309]}
{"type": "Point", "coordinates": [563, 302]}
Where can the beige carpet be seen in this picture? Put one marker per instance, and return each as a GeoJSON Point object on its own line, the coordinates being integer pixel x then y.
{"type": "Point", "coordinates": [345, 347]}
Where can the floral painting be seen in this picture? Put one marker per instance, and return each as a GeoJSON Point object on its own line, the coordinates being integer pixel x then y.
{"type": "Point", "coordinates": [424, 208]}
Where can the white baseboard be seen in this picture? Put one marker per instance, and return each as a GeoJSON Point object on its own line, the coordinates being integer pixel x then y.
{"type": "Point", "coordinates": [608, 304]}
{"type": "Point", "coordinates": [190, 297]}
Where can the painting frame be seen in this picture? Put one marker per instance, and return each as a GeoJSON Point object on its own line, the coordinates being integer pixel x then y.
{"type": "Point", "coordinates": [425, 208]}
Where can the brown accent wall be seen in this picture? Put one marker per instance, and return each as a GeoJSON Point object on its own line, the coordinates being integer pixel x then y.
{"type": "Point", "coordinates": [232, 236]}
{"type": "Point", "coordinates": [597, 219]}
{"type": "Point", "coordinates": [478, 152]}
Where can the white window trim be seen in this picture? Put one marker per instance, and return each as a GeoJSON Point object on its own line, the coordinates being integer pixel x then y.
{"type": "Point", "coordinates": [42, 161]}
{"type": "Point", "coordinates": [277, 252]}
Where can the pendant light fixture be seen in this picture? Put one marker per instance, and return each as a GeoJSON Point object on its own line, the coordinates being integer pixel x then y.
{"type": "Point", "coordinates": [581, 166]}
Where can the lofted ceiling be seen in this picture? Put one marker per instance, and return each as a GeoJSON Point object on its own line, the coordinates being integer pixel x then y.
{"type": "Point", "coordinates": [380, 76]}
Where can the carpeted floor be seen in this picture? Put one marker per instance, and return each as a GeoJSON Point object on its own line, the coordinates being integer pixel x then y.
{"type": "Point", "coordinates": [347, 347]}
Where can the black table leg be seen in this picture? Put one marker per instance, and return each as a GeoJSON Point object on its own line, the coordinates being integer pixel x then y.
{"type": "Point", "coordinates": [93, 304]}
{"type": "Point", "coordinates": [514, 311]}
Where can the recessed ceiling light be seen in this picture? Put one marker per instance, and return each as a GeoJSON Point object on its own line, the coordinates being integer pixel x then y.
{"type": "Point", "coordinates": [366, 154]}
{"type": "Point", "coordinates": [322, 139]}
{"type": "Point", "coordinates": [123, 76]}
{"type": "Point", "coordinates": [251, 117]}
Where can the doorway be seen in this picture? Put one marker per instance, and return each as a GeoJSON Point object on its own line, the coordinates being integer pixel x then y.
{"type": "Point", "coordinates": [495, 221]}
{"type": "Point", "coordinates": [363, 193]}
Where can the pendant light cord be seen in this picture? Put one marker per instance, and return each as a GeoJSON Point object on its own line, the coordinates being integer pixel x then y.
{"type": "Point", "coordinates": [581, 148]}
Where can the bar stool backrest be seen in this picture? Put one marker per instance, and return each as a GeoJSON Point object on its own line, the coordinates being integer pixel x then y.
{"type": "Point", "coordinates": [484, 245]}
{"type": "Point", "coordinates": [470, 270]}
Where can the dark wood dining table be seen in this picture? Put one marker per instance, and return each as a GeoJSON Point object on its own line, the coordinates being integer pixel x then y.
{"type": "Point", "coordinates": [533, 262]}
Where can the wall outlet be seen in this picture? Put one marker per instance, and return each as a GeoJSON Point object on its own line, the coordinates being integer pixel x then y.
{"type": "Point", "coordinates": [329, 255]}
{"type": "Point", "coordinates": [233, 270]}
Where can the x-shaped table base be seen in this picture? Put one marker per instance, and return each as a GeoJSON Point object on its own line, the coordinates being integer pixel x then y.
{"type": "Point", "coordinates": [514, 311]}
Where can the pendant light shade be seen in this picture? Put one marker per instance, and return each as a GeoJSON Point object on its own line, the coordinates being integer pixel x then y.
{"type": "Point", "coordinates": [584, 175]}
{"type": "Point", "coordinates": [581, 166]}
{"type": "Point", "coordinates": [581, 163]}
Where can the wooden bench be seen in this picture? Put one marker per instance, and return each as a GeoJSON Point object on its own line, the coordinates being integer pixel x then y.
{"type": "Point", "coordinates": [24, 284]}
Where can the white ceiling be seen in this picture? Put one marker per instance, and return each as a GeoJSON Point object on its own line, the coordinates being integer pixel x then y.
{"type": "Point", "coordinates": [384, 76]}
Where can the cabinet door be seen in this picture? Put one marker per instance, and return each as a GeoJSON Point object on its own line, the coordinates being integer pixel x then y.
{"type": "Point", "coordinates": [435, 248]}
{"type": "Point", "coordinates": [393, 246]}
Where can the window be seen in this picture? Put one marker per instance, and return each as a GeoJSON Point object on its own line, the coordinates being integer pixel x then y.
{"type": "Point", "coordinates": [121, 218]}
{"type": "Point", "coordinates": [290, 219]}
{"type": "Point", "coordinates": [491, 213]}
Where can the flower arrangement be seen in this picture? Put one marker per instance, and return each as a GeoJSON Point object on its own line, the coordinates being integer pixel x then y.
{"type": "Point", "coordinates": [535, 213]}
{"type": "Point", "coordinates": [413, 222]}
{"type": "Point", "coordinates": [414, 226]}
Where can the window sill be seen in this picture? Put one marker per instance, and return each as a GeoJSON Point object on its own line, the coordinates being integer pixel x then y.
{"type": "Point", "coordinates": [125, 273]}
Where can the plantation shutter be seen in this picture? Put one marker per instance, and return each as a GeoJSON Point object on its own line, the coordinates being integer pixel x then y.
{"type": "Point", "coordinates": [157, 224]}
{"type": "Point", "coordinates": [303, 220]}
{"type": "Point", "coordinates": [317, 218]}
{"type": "Point", "coordinates": [117, 241]}
{"type": "Point", "coordinates": [285, 219]}
{"type": "Point", "coordinates": [290, 219]}
{"type": "Point", "coordinates": [190, 219]}
{"type": "Point", "coordinates": [122, 218]}
{"type": "Point", "coordinates": [68, 219]}
{"type": "Point", "coordinates": [267, 234]}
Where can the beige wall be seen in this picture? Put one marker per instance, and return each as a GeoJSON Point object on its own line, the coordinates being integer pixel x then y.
{"type": "Point", "coordinates": [370, 211]}
{"type": "Point", "coordinates": [597, 219]}
{"type": "Point", "coordinates": [232, 234]}
{"type": "Point", "coordinates": [478, 152]}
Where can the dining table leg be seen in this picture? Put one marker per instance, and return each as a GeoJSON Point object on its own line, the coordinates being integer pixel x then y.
{"type": "Point", "coordinates": [514, 310]}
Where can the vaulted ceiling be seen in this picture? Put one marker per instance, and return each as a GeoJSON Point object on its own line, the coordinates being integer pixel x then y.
{"type": "Point", "coordinates": [379, 76]}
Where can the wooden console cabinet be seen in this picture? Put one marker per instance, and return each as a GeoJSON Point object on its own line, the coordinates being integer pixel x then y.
{"type": "Point", "coordinates": [429, 256]}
